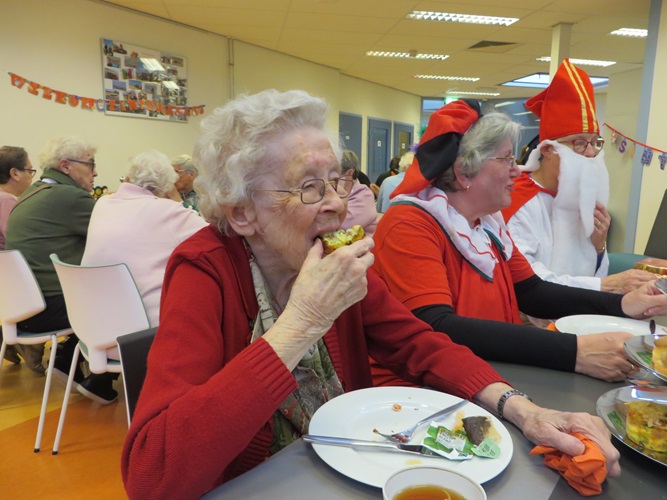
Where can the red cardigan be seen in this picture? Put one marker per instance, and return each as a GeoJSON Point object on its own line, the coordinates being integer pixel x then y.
{"type": "Point", "coordinates": [205, 411]}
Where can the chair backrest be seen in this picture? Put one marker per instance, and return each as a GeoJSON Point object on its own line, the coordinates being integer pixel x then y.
{"type": "Point", "coordinates": [20, 295]}
{"type": "Point", "coordinates": [133, 350]}
{"type": "Point", "coordinates": [103, 302]}
{"type": "Point", "coordinates": [657, 240]}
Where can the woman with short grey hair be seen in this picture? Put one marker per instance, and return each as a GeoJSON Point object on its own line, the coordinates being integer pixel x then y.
{"type": "Point", "coordinates": [152, 171]}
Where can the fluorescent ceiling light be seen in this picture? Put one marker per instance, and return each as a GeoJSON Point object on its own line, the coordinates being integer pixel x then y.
{"type": "Point", "coordinates": [456, 92]}
{"type": "Point", "coordinates": [541, 81]}
{"type": "Point", "coordinates": [151, 64]}
{"type": "Point", "coordinates": [582, 62]}
{"type": "Point", "coordinates": [451, 78]}
{"type": "Point", "coordinates": [524, 113]}
{"type": "Point", "coordinates": [506, 103]}
{"type": "Point", "coordinates": [423, 15]}
{"type": "Point", "coordinates": [406, 55]}
{"type": "Point", "coordinates": [634, 32]}
{"type": "Point", "coordinates": [170, 85]}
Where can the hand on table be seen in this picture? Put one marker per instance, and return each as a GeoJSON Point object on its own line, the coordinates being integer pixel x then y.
{"type": "Point", "coordinates": [626, 281]}
{"type": "Point", "coordinates": [601, 355]}
{"type": "Point", "coordinates": [553, 428]}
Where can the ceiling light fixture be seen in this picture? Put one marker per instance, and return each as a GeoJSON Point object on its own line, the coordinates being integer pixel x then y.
{"type": "Point", "coordinates": [450, 78]}
{"type": "Point", "coordinates": [456, 92]}
{"type": "Point", "coordinates": [581, 62]}
{"type": "Point", "coordinates": [423, 15]}
{"type": "Point", "coordinates": [406, 55]}
{"type": "Point", "coordinates": [506, 103]}
{"type": "Point", "coordinates": [633, 32]}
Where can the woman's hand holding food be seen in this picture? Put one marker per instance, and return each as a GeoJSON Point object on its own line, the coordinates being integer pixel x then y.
{"type": "Point", "coordinates": [644, 302]}
{"type": "Point", "coordinates": [601, 355]}
{"type": "Point", "coordinates": [324, 288]}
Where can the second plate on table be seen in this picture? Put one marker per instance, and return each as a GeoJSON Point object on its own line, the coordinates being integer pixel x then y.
{"type": "Point", "coordinates": [639, 350]}
{"type": "Point", "coordinates": [584, 324]}
{"type": "Point", "coordinates": [611, 409]}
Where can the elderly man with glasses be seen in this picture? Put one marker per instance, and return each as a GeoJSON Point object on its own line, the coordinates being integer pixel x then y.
{"type": "Point", "coordinates": [52, 216]}
{"type": "Point", "coordinates": [558, 216]}
{"type": "Point", "coordinates": [187, 173]}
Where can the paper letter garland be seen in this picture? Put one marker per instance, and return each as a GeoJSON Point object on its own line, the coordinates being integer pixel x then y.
{"type": "Point", "coordinates": [102, 104]}
{"type": "Point", "coordinates": [621, 142]}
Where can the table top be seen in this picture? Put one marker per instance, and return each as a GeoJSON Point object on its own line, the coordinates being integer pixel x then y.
{"type": "Point", "coordinates": [297, 471]}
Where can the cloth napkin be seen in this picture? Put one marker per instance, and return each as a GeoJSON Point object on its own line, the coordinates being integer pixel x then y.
{"type": "Point", "coordinates": [585, 473]}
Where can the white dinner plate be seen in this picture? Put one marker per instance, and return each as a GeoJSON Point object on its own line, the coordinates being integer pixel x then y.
{"type": "Point", "coordinates": [640, 350]}
{"type": "Point", "coordinates": [584, 324]}
{"type": "Point", "coordinates": [610, 408]}
{"type": "Point", "coordinates": [355, 415]}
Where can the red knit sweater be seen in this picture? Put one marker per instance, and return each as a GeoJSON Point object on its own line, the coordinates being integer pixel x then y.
{"type": "Point", "coordinates": [205, 411]}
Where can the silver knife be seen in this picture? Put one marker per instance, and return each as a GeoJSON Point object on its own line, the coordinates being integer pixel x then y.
{"type": "Point", "coordinates": [360, 443]}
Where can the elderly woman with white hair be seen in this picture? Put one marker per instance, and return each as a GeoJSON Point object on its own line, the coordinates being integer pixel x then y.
{"type": "Point", "coordinates": [140, 226]}
{"type": "Point", "coordinates": [259, 328]}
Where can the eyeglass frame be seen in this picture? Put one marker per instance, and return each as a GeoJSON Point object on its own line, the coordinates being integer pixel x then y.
{"type": "Point", "coordinates": [506, 159]}
{"type": "Point", "coordinates": [91, 164]}
{"type": "Point", "coordinates": [592, 143]}
{"type": "Point", "coordinates": [332, 182]}
{"type": "Point", "coordinates": [31, 171]}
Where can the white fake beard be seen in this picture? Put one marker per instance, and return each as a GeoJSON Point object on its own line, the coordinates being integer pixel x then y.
{"type": "Point", "coordinates": [581, 183]}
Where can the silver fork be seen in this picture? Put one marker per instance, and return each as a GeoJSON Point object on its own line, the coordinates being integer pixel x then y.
{"type": "Point", "coordinates": [661, 285]}
{"type": "Point", "coordinates": [406, 435]}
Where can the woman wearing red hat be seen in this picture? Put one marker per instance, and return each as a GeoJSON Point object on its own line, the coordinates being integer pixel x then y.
{"type": "Point", "coordinates": [558, 217]}
{"type": "Point", "coordinates": [445, 252]}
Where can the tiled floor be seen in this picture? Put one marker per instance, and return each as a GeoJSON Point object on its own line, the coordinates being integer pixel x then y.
{"type": "Point", "coordinates": [88, 463]}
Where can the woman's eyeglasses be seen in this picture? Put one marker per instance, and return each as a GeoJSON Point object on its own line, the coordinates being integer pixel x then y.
{"type": "Point", "coordinates": [31, 171]}
{"type": "Point", "coordinates": [90, 164]}
{"type": "Point", "coordinates": [510, 160]}
{"type": "Point", "coordinates": [313, 190]}
{"type": "Point", "coordinates": [579, 145]}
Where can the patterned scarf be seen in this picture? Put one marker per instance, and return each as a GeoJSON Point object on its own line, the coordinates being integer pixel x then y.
{"type": "Point", "coordinates": [317, 381]}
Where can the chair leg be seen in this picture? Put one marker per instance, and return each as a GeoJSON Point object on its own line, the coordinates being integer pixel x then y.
{"type": "Point", "coordinates": [2, 351]}
{"type": "Point", "coordinates": [47, 389]}
{"type": "Point", "coordinates": [68, 389]}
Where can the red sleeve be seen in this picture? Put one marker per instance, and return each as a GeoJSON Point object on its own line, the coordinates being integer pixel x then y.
{"type": "Point", "coordinates": [411, 236]}
{"type": "Point", "coordinates": [184, 422]}
{"type": "Point", "coordinates": [520, 268]}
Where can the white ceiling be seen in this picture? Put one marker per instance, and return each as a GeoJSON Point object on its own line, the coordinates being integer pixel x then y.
{"type": "Point", "coordinates": [337, 33]}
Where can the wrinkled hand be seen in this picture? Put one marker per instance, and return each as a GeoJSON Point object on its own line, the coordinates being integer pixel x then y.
{"type": "Point", "coordinates": [376, 189]}
{"type": "Point", "coordinates": [644, 302]}
{"type": "Point", "coordinates": [327, 286]}
{"type": "Point", "coordinates": [601, 355]}
{"type": "Point", "coordinates": [553, 428]}
{"type": "Point", "coordinates": [601, 222]}
{"type": "Point", "coordinates": [626, 281]}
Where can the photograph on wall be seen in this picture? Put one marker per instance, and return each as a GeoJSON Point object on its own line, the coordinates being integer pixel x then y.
{"type": "Point", "coordinates": [144, 83]}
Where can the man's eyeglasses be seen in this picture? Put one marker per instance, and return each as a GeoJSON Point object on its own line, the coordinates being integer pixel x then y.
{"type": "Point", "coordinates": [510, 160]}
{"type": "Point", "coordinates": [30, 171]}
{"type": "Point", "coordinates": [91, 164]}
{"type": "Point", "coordinates": [313, 190]}
{"type": "Point", "coordinates": [579, 145]}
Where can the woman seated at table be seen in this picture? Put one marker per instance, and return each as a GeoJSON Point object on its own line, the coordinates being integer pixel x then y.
{"type": "Point", "coordinates": [140, 226]}
{"type": "Point", "coordinates": [259, 329]}
{"type": "Point", "coordinates": [445, 253]}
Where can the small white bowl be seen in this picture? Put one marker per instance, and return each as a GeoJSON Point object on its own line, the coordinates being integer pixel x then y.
{"type": "Point", "coordinates": [421, 476]}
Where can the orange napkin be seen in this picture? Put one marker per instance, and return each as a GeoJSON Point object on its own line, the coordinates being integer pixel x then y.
{"type": "Point", "coordinates": [552, 327]}
{"type": "Point", "coordinates": [585, 473]}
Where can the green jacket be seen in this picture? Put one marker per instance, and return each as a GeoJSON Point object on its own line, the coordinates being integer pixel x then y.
{"type": "Point", "coordinates": [50, 218]}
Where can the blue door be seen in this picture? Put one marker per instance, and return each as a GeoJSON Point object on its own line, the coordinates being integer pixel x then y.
{"type": "Point", "coordinates": [349, 130]}
{"type": "Point", "coordinates": [379, 134]}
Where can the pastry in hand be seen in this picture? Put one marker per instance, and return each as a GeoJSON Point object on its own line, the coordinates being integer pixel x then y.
{"type": "Point", "coordinates": [340, 238]}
